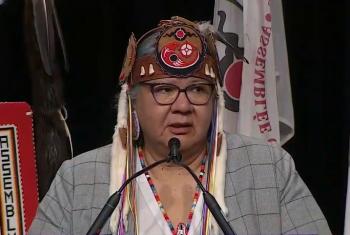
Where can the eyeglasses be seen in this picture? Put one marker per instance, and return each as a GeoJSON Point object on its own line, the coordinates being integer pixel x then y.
{"type": "Point", "coordinates": [166, 94]}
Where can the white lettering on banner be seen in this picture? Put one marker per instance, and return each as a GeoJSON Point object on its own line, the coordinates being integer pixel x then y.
{"type": "Point", "coordinates": [11, 212]}
{"type": "Point", "coordinates": [259, 90]}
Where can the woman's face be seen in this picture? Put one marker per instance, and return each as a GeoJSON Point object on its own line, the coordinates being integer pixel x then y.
{"type": "Point", "coordinates": [181, 119]}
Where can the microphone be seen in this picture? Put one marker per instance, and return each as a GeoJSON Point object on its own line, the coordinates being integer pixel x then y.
{"type": "Point", "coordinates": [209, 199]}
{"type": "Point", "coordinates": [174, 146]}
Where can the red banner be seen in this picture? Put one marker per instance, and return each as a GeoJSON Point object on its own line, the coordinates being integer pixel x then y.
{"type": "Point", "coordinates": [18, 183]}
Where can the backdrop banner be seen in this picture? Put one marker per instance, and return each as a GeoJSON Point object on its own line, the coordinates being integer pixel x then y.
{"type": "Point", "coordinates": [18, 184]}
{"type": "Point", "coordinates": [255, 69]}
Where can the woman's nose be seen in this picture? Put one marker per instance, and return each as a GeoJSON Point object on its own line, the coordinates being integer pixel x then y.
{"type": "Point", "coordinates": [182, 104]}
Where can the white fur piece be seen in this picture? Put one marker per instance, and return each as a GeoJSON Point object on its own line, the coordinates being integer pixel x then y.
{"type": "Point", "coordinates": [118, 158]}
{"type": "Point", "coordinates": [206, 26]}
{"type": "Point", "coordinates": [220, 169]}
{"type": "Point", "coordinates": [220, 164]}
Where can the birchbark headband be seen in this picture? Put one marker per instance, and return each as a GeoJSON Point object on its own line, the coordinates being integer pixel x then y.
{"type": "Point", "coordinates": [176, 48]}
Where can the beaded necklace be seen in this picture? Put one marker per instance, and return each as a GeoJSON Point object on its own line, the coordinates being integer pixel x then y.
{"type": "Point", "coordinates": [181, 228]}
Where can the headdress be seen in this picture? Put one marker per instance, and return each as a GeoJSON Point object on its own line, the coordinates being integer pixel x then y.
{"type": "Point", "coordinates": [176, 48]}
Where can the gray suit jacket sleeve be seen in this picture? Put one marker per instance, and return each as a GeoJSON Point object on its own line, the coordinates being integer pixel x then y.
{"type": "Point", "coordinates": [264, 193]}
{"type": "Point", "coordinates": [300, 213]}
{"type": "Point", "coordinates": [54, 214]}
{"type": "Point", "coordinates": [76, 196]}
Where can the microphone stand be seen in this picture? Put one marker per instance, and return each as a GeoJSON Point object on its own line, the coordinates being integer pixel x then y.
{"type": "Point", "coordinates": [175, 156]}
{"type": "Point", "coordinates": [114, 199]}
{"type": "Point", "coordinates": [210, 201]}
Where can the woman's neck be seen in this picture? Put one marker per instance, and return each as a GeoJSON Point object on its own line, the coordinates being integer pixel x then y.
{"type": "Point", "coordinates": [193, 159]}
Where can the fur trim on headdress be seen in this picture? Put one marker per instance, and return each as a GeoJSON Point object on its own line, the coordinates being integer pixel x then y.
{"type": "Point", "coordinates": [206, 26]}
{"type": "Point", "coordinates": [119, 151]}
{"type": "Point", "coordinates": [220, 166]}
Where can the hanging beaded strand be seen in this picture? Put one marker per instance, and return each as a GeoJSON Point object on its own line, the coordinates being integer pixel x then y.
{"type": "Point", "coordinates": [132, 169]}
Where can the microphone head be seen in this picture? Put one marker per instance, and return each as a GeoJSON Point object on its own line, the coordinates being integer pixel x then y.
{"type": "Point", "coordinates": [174, 147]}
{"type": "Point", "coordinates": [174, 142]}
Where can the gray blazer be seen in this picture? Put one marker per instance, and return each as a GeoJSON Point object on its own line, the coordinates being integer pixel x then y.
{"type": "Point", "coordinates": [263, 192]}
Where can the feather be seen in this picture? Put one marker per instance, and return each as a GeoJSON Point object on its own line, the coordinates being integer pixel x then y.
{"type": "Point", "coordinates": [42, 30]}
{"type": "Point", "coordinates": [60, 36]}
{"type": "Point", "coordinates": [46, 25]}
{"type": "Point", "coordinates": [53, 141]}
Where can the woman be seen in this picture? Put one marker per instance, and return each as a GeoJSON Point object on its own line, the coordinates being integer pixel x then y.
{"type": "Point", "coordinates": [170, 88]}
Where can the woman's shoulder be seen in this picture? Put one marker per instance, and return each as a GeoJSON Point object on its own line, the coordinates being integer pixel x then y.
{"type": "Point", "coordinates": [254, 149]}
{"type": "Point", "coordinates": [96, 160]}
{"type": "Point", "coordinates": [238, 140]}
{"type": "Point", "coordinates": [100, 155]}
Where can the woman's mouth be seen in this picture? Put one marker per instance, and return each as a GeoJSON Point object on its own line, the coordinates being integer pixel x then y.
{"type": "Point", "coordinates": [180, 128]}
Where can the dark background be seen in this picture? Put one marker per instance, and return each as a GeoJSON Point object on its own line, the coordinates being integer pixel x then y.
{"type": "Point", "coordinates": [96, 34]}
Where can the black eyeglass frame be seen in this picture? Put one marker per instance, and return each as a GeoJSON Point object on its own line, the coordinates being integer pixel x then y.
{"type": "Point", "coordinates": [152, 85]}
